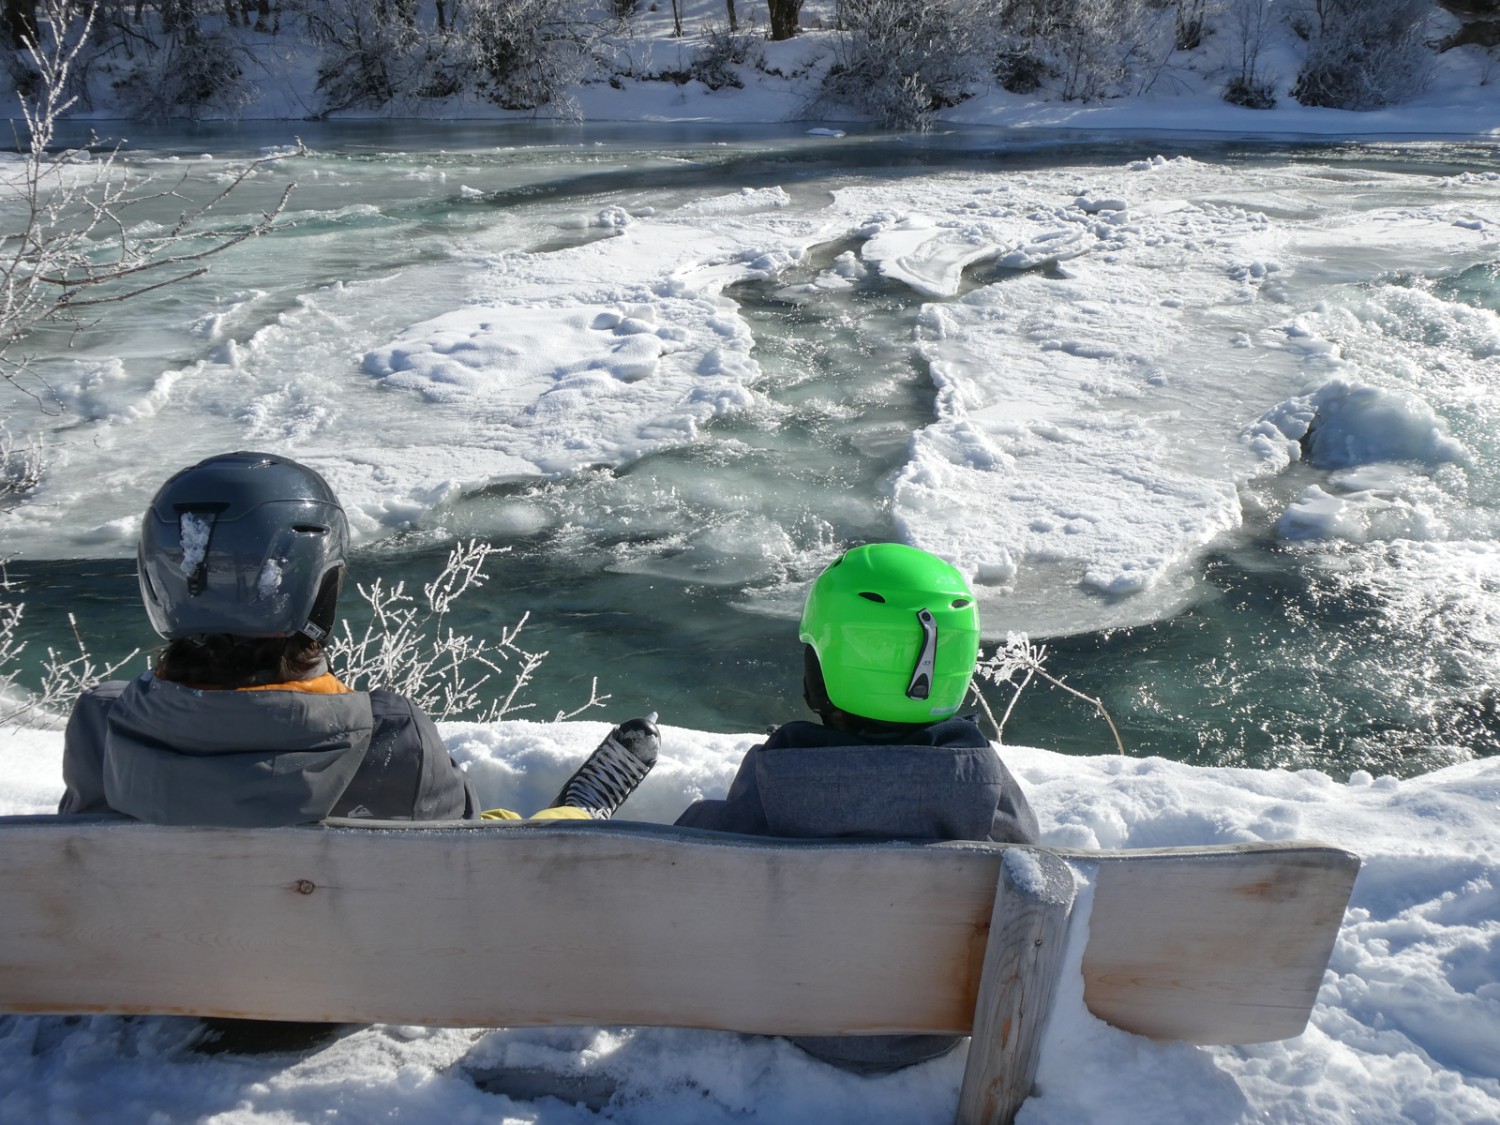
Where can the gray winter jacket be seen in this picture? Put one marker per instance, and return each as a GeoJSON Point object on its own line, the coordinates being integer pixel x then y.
{"type": "Point", "coordinates": [943, 781]}
{"type": "Point", "coordinates": [169, 754]}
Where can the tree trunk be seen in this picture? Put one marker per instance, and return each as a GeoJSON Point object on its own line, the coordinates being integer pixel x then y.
{"type": "Point", "coordinates": [179, 18]}
{"type": "Point", "coordinates": [734, 24]}
{"type": "Point", "coordinates": [784, 15]}
{"type": "Point", "coordinates": [19, 22]}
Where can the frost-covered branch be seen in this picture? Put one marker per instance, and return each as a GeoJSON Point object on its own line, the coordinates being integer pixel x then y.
{"type": "Point", "coordinates": [65, 244]}
{"type": "Point", "coordinates": [63, 677]}
{"type": "Point", "coordinates": [1018, 656]}
{"type": "Point", "coordinates": [407, 647]}
{"type": "Point", "coordinates": [21, 465]}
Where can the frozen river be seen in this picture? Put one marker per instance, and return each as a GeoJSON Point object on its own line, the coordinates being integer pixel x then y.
{"type": "Point", "coordinates": [1217, 422]}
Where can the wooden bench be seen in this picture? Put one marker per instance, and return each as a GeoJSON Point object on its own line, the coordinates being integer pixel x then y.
{"type": "Point", "coordinates": [587, 924]}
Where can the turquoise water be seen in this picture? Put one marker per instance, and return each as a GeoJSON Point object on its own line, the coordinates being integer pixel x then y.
{"type": "Point", "coordinates": [675, 578]}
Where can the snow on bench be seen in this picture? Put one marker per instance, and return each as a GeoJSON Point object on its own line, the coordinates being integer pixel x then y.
{"type": "Point", "coordinates": [620, 924]}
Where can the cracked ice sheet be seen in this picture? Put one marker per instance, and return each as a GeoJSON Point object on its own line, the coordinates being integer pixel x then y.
{"type": "Point", "coordinates": [595, 355]}
{"type": "Point", "coordinates": [1090, 421]}
{"type": "Point", "coordinates": [1064, 401]}
{"type": "Point", "coordinates": [1032, 468]}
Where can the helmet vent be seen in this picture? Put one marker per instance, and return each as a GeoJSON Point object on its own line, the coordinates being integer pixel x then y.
{"type": "Point", "coordinates": [309, 529]}
{"type": "Point", "coordinates": [871, 596]}
{"type": "Point", "coordinates": [961, 603]}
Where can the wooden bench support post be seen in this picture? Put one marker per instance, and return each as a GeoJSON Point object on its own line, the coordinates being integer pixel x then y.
{"type": "Point", "coordinates": [1028, 931]}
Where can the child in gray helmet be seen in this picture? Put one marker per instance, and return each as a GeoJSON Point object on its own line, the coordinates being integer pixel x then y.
{"type": "Point", "coordinates": [241, 722]}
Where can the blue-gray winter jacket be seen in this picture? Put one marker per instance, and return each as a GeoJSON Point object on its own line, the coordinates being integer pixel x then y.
{"type": "Point", "coordinates": [169, 754]}
{"type": "Point", "coordinates": [943, 781]}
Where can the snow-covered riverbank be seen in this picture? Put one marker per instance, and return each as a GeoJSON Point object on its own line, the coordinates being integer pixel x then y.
{"type": "Point", "coordinates": [1407, 1026]}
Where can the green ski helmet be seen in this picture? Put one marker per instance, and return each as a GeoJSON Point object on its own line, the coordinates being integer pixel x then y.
{"type": "Point", "coordinates": [895, 631]}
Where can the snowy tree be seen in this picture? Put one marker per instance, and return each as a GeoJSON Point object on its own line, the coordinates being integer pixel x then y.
{"type": "Point", "coordinates": [785, 16]}
{"type": "Point", "coordinates": [1248, 22]}
{"type": "Point", "coordinates": [1364, 54]}
{"type": "Point", "coordinates": [901, 61]}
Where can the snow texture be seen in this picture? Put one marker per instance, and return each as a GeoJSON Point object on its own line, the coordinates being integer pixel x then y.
{"type": "Point", "coordinates": [1406, 1027]}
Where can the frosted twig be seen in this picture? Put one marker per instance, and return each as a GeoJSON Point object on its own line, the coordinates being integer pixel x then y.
{"type": "Point", "coordinates": [1019, 655]}
{"type": "Point", "coordinates": [407, 647]}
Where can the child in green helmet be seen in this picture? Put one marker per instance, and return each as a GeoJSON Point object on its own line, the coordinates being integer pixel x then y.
{"type": "Point", "coordinates": [891, 636]}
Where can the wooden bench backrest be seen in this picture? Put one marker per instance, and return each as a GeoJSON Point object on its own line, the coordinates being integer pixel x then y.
{"type": "Point", "coordinates": [632, 924]}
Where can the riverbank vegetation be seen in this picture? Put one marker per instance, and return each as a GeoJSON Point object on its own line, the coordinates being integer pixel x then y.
{"type": "Point", "coordinates": [896, 62]}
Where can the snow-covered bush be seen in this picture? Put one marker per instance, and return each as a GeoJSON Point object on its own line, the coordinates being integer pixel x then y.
{"type": "Point", "coordinates": [530, 51]}
{"type": "Point", "coordinates": [1364, 54]}
{"type": "Point", "coordinates": [408, 647]}
{"type": "Point", "coordinates": [1087, 49]}
{"type": "Point", "coordinates": [1019, 657]}
{"type": "Point", "coordinates": [723, 49]}
{"type": "Point", "coordinates": [72, 245]}
{"type": "Point", "coordinates": [63, 677]}
{"type": "Point", "coordinates": [900, 61]}
{"type": "Point", "coordinates": [364, 56]}
{"type": "Point", "coordinates": [1247, 22]}
{"type": "Point", "coordinates": [192, 73]}
{"type": "Point", "coordinates": [1190, 23]}
{"type": "Point", "coordinates": [1024, 50]}
{"type": "Point", "coordinates": [20, 467]}
{"type": "Point", "coordinates": [1112, 47]}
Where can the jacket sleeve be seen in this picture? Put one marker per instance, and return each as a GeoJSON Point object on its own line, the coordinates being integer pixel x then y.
{"type": "Point", "coordinates": [83, 750]}
{"type": "Point", "coordinates": [739, 811]}
{"type": "Point", "coordinates": [407, 773]}
{"type": "Point", "coordinates": [444, 791]}
{"type": "Point", "coordinates": [1015, 822]}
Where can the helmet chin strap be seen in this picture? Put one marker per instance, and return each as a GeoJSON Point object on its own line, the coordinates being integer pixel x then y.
{"type": "Point", "coordinates": [920, 686]}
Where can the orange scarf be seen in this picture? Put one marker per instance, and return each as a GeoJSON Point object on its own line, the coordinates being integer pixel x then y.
{"type": "Point", "coordinates": [326, 684]}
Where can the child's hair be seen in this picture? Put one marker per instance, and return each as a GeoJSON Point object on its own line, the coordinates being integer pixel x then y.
{"type": "Point", "coordinates": [226, 662]}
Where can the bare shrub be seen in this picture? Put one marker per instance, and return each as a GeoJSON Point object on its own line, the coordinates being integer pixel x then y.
{"type": "Point", "coordinates": [188, 76]}
{"type": "Point", "coordinates": [1090, 49]}
{"type": "Point", "coordinates": [530, 51]}
{"type": "Point", "coordinates": [67, 249]}
{"type": "Point", "coordinates": [1364, 54]}
{"type": "Point", "coordinates": [1103, 45]}
{"type": "Point", "coordinates": [1190, 23]}
{"type": "Point", "coordinates": [409, 648]}
{"type": "Point", "coordinates": [1019, 657]}
{"type": "Point", "coordinates": [723, 49]}
{"type": "Point", "coordinates": [20, 468]}
{"type": "Point", "coordinates": [1248, 22]}
{"type": "Point", "coordinates": [900, 62]}
{"type": "Point", "coordinates": [360, 65]}
{"type": "Point", "coordinates": [63, 677]}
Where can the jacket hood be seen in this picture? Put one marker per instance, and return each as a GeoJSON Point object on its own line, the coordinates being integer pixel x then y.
{"type": "Point", "coordinates": [180, 755]}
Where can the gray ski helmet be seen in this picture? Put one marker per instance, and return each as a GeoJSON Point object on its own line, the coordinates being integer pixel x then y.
{"type": "Point", "coordinates": [247, 544]}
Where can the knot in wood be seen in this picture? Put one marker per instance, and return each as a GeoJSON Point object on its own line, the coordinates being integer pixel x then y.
{"type": "Point", "coordinates": [304, 886]}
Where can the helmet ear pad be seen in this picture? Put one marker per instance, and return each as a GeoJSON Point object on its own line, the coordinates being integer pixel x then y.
{"type": "Point", "coordinates": [814, 690]}
{"type": "Point", "coordinates": [815, 693]}
{"type": "Point", "coordinates": [325, 608]}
